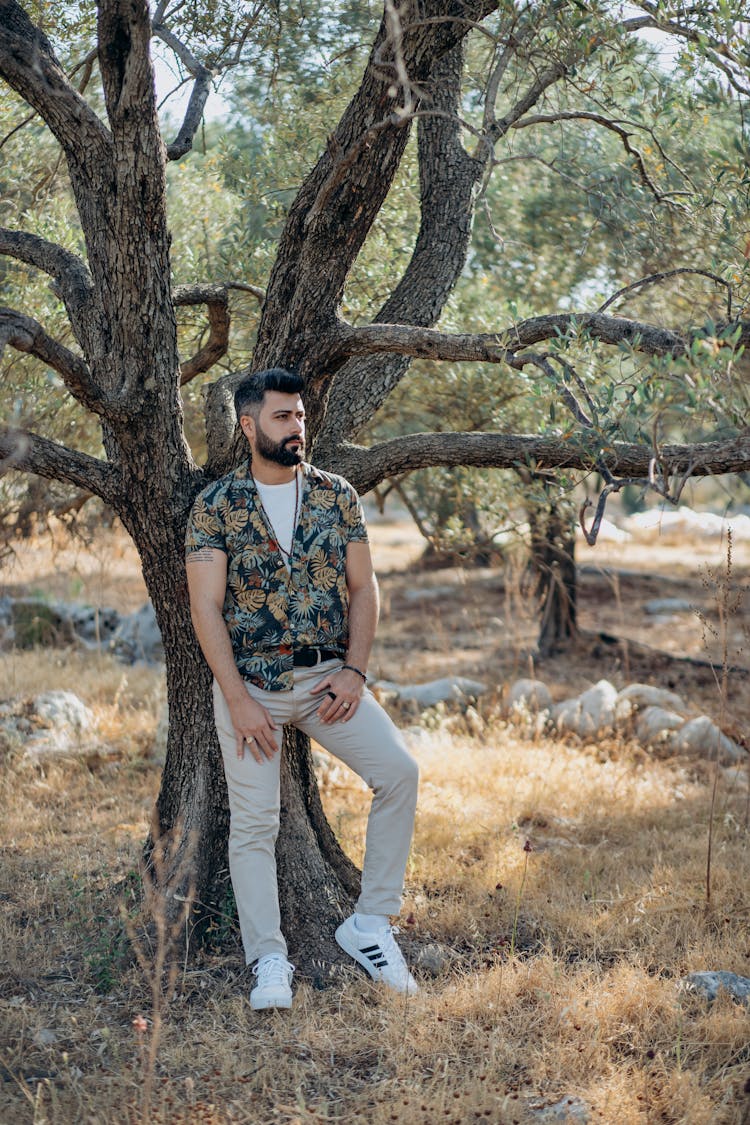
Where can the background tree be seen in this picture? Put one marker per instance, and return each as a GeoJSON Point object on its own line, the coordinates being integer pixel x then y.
{"type": "Point", "coordinates": [121, 359]}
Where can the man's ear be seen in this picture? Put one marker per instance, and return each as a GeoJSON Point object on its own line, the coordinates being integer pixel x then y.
{"type": "Point", "coordinates": [247, 425]}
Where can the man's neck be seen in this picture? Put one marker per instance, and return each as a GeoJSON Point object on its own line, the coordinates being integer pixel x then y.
{"type": "Point", "coordinates": [268, 472]}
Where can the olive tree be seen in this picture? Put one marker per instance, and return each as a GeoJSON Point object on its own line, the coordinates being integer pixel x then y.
{"type": "Point", "coordinates": [122, 364]}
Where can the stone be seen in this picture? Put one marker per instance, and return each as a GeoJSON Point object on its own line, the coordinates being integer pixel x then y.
{"type": "Point", "coordinates": [666, 524]}
{"type": "Point", "coordinates": [592, 712]}
{"type": "Point", "coordinates": [736, 775]}
{"type": "Point", "coordinates": [566, 715]}
{"type": "Point", "coordinates": [93, 626]}
{"type": "Point", "coordinates": [429, 593]}
{"type": "Point", "coordinates": [702, 737]}
{"type": "Point", "coordinates": [7, 631]}
{"type": "Point", "coordinates": [598, 705]}
{"type": "Point", "coordinates": [655, 724]}
{"type": "Point", "coordinates": [137, 637]}
{"type": "Point", "coordinates": [26, 622]}
{"type": "Point", "coordinates": [568, 1111]}
{"type": "Point", "coordinates": [55, 723]}
{"type": "Point", "coordinates": [45, 1037]}
{"type": "Point", "coordinates": [710, 984]}
{"type": "Point", "coordinates": [668, 606]}
{"type": "Point", "coordinates": [63, 709]}
{"type": "Point", "coordinates": [644, 695]}
{"type": "Point", "coordinates": [434, 959]}
{"type": "Point", "coordinates": [610, 533]}
{"type": "Point", "coordinates": [529, 695]}
{"type": "Point", "coordinates": [455, 689]}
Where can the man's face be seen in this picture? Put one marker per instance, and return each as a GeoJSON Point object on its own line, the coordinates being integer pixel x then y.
{"type": "Point", "coordinates": [278, 434]}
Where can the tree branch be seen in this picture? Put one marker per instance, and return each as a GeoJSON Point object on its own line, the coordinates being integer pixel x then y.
{"type": "Point", "coordinates": [654, 278]}
{"type": "Point", "coordinates": [69, 272]}
{"type": "Point", "coordinates": [296, 294]}
{"type": "Point", "coordinates": [27, 335]}
{"type": "Point", "coordinates": [447, 178]}
{"type": "Point", "coordinates": [124, 35]}
{"type": "Point", "coordinates": [245, 287]}
{"type": "Point", "coordinates": [216, 299]}
{"type": "Point", "coordinates": [183, 142]}
{"type": "Point", "coordinates": [717, 52]}
{"type": "Point", "coordinates": [504, 346]}
{"type": "Point", "coordinates": [367, 467]}
{"type": "Point", "coordinates": [607, 123]}
{"type": "Point", "coordinates": [27, 452]}
{"type": "Point", "coordinates": [29, 66]}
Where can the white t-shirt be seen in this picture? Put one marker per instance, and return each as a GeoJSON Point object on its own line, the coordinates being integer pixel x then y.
{"type": "Point", "coordinates": [280, 504]}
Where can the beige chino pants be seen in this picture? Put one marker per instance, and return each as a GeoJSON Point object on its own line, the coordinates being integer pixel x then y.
{"type": "Point", "coordinates": [371, 745]}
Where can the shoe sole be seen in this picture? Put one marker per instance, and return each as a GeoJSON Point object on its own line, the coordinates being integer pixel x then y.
{"type": "Point", "coordinates": [264, 1005]}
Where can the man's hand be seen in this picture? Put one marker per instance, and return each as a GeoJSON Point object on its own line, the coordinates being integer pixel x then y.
{"type": "Point", "coordinates": [343, 692]}
{"type": "Point", "coordinates": [253, 725]}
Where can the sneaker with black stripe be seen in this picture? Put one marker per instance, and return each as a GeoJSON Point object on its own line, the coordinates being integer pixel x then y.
{"type": "Point", "coordinates": [378, 953]}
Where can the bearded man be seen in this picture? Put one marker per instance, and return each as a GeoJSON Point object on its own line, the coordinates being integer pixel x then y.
{"type": "Point", "coordinates": [285, 605]}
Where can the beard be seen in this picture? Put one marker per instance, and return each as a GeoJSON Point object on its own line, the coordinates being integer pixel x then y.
{"type": "Point", "coordinates": [279, 452]}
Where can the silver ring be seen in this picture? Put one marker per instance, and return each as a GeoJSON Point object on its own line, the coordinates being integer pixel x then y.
{"type": "Point", "coordinates": [346, 706]}
{"type": "Point", "coordinates": [249, 740]}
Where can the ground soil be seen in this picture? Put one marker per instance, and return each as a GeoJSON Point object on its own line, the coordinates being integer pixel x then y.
{"type": "Point", "coordinates": [482, 622]}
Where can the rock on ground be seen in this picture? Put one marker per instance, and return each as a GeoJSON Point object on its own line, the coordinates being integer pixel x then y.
{"type": "Point", "coordinates": [640, 696]}
{"type": "Point", "coordinates": [529, 695]}
{"type": "Point", "coordinates": [454, 689]}
{"type": "Point", "coordinates": [656, 725]}
{"type": "Point", "coordinates": [567, 1111]}
{"type": "Point", "coordinates": [702, 737]}
{"type": "Point", "coordinates": [592, 712]}
{"type": "Point", "coordinates": [63, 709]}
{"type": "Point", "coordinates": [137, 637]}
{"type": "Point", "coordinates": [710, 984]}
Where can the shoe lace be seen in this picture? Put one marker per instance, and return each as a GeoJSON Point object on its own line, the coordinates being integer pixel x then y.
{"type": "Point", "coordinates": [273, 971]}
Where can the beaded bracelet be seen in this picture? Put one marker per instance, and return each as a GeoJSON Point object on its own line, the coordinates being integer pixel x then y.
{"type": "Point", "coordinates": [351, 668]}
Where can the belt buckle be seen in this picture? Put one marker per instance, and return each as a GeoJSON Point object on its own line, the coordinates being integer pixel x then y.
{"type": "Point", "coordinates": [319, 657]}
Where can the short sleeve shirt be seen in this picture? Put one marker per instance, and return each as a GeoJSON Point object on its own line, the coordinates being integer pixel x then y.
{"type": "Point", "coordinates": [271, 609]}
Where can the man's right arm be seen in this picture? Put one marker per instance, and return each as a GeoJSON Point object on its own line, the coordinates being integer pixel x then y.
{"type": "Point", "coordinates": [207, 581]}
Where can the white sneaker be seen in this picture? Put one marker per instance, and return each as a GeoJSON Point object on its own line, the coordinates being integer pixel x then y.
{"type": "Point", "coordinates": [274, 987]}
{"type": "Point", "coordinates": [378, 953]}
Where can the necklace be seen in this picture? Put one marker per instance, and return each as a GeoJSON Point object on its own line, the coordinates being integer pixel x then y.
{"type": "Point", "coordinates": [273, 537]}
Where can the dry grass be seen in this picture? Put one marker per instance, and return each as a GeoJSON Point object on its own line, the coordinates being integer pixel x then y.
{"type": "Point", "coordinates": [563, 962]}
{"type": "Point", "coordinates": [605, 914]}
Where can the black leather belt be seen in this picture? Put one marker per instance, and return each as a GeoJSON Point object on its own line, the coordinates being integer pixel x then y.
{"type": "Point", "coordinates": [308, 657]}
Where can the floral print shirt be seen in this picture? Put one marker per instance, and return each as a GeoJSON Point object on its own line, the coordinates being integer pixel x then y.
{"type": "Point", "coordinates": [271, 609]}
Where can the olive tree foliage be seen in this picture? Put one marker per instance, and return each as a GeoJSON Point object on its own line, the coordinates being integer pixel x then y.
{"type": "Point", "coordinates": [565, 218]}
{"type": "Point", "coordinates": [469, 78]}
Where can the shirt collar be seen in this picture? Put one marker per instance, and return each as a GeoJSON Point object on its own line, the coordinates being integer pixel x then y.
{"type": "Point", "coordinates": [243, 473]}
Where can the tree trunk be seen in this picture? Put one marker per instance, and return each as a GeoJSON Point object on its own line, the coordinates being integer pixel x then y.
{"type": "Point", "coordinates": [318, 884]}
{"type": "Point", "coordinates": [553, 565]}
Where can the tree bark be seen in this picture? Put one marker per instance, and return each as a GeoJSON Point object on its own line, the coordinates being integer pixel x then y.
{"type": "Point", "coordinates": [448, 176]}
{"type": "Point", "coordinates": [552, 561]}
{"type": "Point", "coordinates": [318, 883]}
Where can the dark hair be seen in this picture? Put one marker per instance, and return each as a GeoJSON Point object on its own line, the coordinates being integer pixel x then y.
{"type": "Point", "coordinates": [248, 398]}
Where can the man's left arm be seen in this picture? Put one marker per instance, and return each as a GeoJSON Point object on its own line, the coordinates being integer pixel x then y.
{"type": "Point", "coordinates": [344, 689]}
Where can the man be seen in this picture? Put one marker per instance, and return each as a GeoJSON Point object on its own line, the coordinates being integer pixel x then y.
{"type": "Point", "coordinates": [285, 605]}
